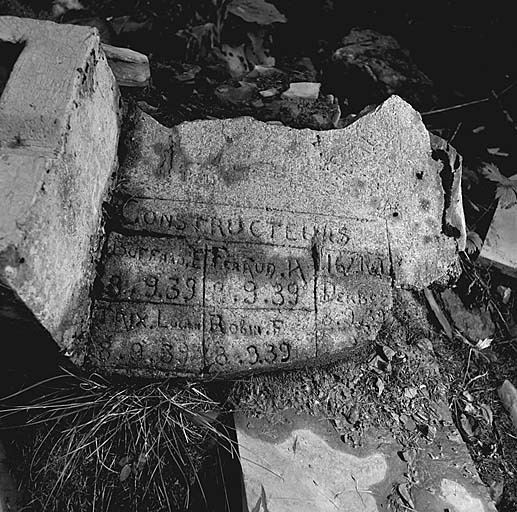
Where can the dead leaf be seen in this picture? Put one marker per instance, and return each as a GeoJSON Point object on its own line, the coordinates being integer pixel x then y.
{"type": "Point", "coordinates": [474, 242]}
{"type": "Point", "coordinates": [506, 190]}
{"type": "Point", "coordinates": [256, 11]}
{"type": "Point", "coordinates": [124, 461]}
{"type": "Point", "coordinates": [380, 386]}
{"type": "Point", "coordinates": [410, 393]}
{"type": "Point", "coordinates": [484, 343]}
{"type": "Point", "coordinates": [505, 292]}
{"type": "Point", "coordinates": [487, 413]}
{"type": "Point", "coordinates": [497, 152]}
{"type": "Point", "coordinates": [125, 472]}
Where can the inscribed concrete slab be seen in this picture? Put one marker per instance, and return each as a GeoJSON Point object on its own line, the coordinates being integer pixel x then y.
{"type": "Point", "coordinates": [500, 246]}
{"type": "Point", "coordinates": [240, 246]}
{"type": "Point", "coordinates": [58, 148]}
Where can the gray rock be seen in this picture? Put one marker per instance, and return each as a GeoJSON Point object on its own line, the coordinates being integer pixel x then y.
{"type": "Point", "coordinates": [369, 67]}
{"type": "Point", "coordinates": [58, 148]}
{"type": "Point", "coordinates": [474, 323]}
{"type": "Point", "coordinates": [243, 246]}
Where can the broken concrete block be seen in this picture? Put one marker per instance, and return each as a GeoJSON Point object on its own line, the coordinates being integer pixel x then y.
{"type": "Point", "coordinates": [59, 132]}
{"type": "Point", "coordinates": [241, 246]}
{"type": "Point", "coordinates": [500, 246]}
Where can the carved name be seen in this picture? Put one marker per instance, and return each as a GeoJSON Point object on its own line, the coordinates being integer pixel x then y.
{"type": "Point", "coordinates": [180, 295]}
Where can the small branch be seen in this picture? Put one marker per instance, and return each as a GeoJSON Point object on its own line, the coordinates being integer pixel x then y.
{"type": "Point", "coordinates": [505, 112]}
{"type": "Point", "coordinates": [470, 103]}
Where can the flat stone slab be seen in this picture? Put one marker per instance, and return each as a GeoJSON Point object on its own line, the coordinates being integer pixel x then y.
{"type": "Point", "coordinates": [241, 246]}
{"type": "Point", "coordinates": [300, 463]}
{"type": "Point", "coordinates": [500, 246]}
{"type": "Point", "coordinates": [58, 148]}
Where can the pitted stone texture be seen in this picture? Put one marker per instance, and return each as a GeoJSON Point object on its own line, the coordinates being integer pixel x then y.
{"type": "Point", "coordinates": [283, 244]}
{"type": "Point", "coordinates": [58, 147]}
{"type": "Point", "coordinates": [500, 246]}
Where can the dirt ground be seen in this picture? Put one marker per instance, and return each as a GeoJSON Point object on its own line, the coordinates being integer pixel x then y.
{"type": "Point", "coordinates": [465, 50]}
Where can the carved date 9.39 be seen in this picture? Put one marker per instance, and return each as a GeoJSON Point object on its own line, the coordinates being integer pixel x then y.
{"type": "Point", "coordinates": [252, 355]}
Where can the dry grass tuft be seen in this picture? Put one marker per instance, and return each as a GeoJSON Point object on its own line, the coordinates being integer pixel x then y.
{"type": "Point", "coordinates": [100, 446]}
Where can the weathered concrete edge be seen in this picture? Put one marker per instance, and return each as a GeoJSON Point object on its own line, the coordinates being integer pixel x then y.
{"type": "Point", "coordinates": [58, 159]}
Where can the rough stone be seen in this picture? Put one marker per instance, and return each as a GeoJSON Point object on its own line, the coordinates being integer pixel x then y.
{"type": "Point", "coordinates": [500, 246]}
{"type": "Point", "coordinates": [370, 66]}
{"type": "Point", "coordinates": [475, 323]}
{"type": "Point", "coordinates": [300, 463]}
{"type": "Point", "coordinates": [59, 132]}
{"type": "Point", "coordinates": [241, 246]}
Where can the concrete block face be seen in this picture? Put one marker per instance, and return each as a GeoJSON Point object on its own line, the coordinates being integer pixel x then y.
{"type": "Point", "coordinates": [59, 133]}
{"type": "Point", "coordinates": [246, 246]}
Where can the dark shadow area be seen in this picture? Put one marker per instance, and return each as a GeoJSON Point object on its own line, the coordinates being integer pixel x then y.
{"type": "Point", "coordinates": [9, 53]}
{"type": "Point", "coordinates": [28, 353]}
{"type": "Point", "coordinates": [219, 487]}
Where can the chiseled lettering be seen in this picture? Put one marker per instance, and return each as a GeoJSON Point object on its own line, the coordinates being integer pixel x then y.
{"type": "Point", "coordinates": [217, 323]}
{"type": "Point", "coordinates": [253, 230]}
{"type": "Point", "coordinates": [217, 224]}
{"type": "Point", "coordinates": [274, 224]}
{"type": "Point", "coordinates": [231, 228]}
{"type": "Point", "coordinates": [295, 268]}
{"type": "Point", "coordinates": [199, 226]}
{"type": "Point", "coordinates": [288, 233]}
{"type": "Point", "coordinates": [149, 217]}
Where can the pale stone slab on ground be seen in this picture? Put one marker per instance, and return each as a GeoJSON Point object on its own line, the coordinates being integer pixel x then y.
{"type": "Point", "coordinates": [58, 148]}
{"type": "Point", "coordinates": [300, 463]}
{"type": "Point", "coordinates": [500, 246]}
{"type": "Point", "coordinates": [243, 246]}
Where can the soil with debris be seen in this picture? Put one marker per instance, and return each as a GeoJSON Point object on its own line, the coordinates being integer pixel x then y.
{"type": "Point", "coordinates": [451, 61]}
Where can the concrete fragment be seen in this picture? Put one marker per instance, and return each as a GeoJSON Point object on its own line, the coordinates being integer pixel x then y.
{"type": "Point", "coordinates": [131, 69]}
{"type": "Point", "coordinates": [305, 90]}
{"type": "Point", "coordinates": [500, 246]}
{"type": "Point", "coordinates": [246, 246]}
{"type": "Point", "coordinates": [474, 323]}
{"type": "Point", "coordinates": [58, 148]}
